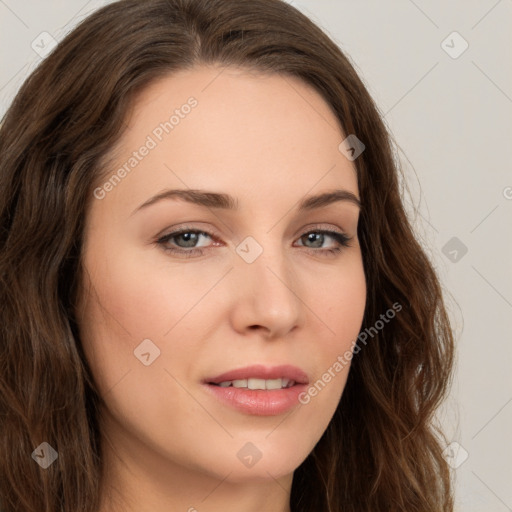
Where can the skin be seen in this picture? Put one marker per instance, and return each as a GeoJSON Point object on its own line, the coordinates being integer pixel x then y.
{"type": "Point", "coordinates": [269, 141]}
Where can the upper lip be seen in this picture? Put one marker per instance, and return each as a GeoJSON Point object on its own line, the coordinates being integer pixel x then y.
{"type": "Point", "coordinates": [260, 371]}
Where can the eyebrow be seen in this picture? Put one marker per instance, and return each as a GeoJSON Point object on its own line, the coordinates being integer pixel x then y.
{"type": "Point", "coordinates": [227, 202]}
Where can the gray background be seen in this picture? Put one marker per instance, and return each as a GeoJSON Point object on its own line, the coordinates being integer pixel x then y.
{"type": "Point", "coordinates": [451, 115]}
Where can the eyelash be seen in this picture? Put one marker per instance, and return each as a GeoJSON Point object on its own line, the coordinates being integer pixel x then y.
{"type": "Point", "coordinates": [342, 239]}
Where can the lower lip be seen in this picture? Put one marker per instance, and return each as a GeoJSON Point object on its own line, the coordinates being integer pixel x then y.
{"type": "Point", "coordinates": [259, 402]}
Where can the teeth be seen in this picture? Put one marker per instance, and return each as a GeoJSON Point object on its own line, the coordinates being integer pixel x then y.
{"type": "Point", "coordinates": [258, 383]}
{"type": "Point", "coordinates": [273, 383]}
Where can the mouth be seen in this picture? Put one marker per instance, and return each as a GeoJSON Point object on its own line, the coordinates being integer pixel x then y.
{"type": "Point", "coordinates": [254, 383]}
{"type": "Point", "coordinates": [259, 390]}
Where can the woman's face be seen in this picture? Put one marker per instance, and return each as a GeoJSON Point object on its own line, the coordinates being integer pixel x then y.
{"type": "Point", "coordinates": [257, 282]}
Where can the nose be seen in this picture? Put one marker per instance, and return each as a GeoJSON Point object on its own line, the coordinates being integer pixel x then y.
{"type": "Point", "coordinates": [266, 296]}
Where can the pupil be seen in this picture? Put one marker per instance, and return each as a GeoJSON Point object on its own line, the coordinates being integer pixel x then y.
{"type": "Point", "coordinates": [189, 238]}
{"type": "Point", "coordinates": [312, 237]}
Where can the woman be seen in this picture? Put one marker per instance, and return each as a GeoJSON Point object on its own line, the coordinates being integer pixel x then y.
{"type": "Point", "coordinates": [212, 296]}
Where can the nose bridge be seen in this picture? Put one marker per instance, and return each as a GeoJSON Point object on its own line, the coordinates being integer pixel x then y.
{"type": "Point", "coordinates": [266, 285]}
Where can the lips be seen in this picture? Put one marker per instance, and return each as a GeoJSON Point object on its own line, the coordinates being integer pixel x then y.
{"type": "Point", "coordinates": [261, 372]}
{"type": "Point", "coordinates": [259, 390]}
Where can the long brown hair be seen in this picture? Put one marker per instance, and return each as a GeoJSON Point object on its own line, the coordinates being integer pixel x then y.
{"type": "Point", "coordinates": [382, 450]}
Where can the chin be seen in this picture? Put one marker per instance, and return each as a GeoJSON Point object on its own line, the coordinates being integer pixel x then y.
{"type": "Point", "coordinates": [271, 458]}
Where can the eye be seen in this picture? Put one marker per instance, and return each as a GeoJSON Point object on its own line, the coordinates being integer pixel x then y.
{"type": "Point", "coordinates": [182, 240]}
{"type": "Point", "coordinates": [188, 242]}
{"type": "Point", "coordinates": [317, 238]}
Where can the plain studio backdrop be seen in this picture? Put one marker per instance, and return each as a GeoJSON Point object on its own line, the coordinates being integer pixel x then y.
{"type": "Point", "coordinates": [439, 74]}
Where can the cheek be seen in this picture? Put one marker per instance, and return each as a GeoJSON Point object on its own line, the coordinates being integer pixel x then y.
{"type": "Point", "coordinates": [124, 305]}
{"type": "Point", "coordinates": [343, 303]}
{"type": "Point", "coordinates": [132, 301]}
{"type": "Point", "coordinates": [343, 300]}
{"type": "Point", "coordinates": [137, 297]}
{"type": "Point", "coordinates": [144, 299]}
{"type": "Point", "coordinates": [339, 303]}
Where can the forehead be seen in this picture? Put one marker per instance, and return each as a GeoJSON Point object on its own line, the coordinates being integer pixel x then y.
{"type": "Point", "coordinates": [235, 130]}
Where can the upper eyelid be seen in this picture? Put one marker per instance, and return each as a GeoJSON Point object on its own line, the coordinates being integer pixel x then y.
{"type": "Point", "coordinates": [185, 229]}
{"type": "Point", "coordinates": [214, 233]}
